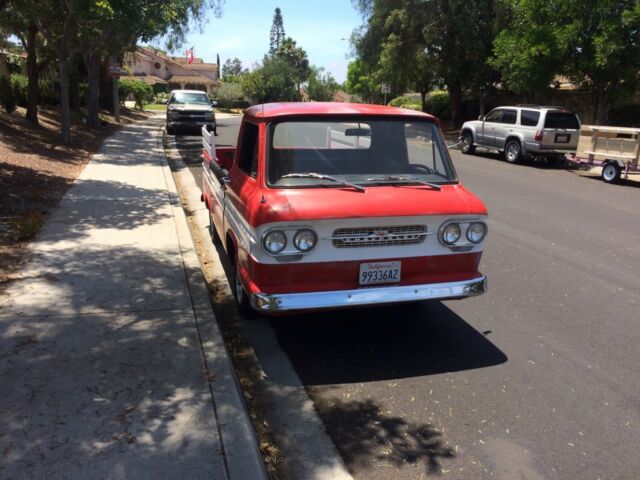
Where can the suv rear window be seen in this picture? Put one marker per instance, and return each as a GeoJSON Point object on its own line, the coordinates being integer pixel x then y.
{"type": "Point", "coordinates": [529, 118]}
{"type": "Point", "coordinates": [562, 120]}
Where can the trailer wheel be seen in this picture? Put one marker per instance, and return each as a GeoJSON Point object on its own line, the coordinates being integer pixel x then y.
{"type": "Point", "coordinates": [611, 172]}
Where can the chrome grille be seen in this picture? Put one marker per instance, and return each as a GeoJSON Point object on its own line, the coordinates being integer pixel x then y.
{"type": "Point", "coordinates": [379, 236]}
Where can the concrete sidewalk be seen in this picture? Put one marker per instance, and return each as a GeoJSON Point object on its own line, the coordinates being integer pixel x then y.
{"type": "Point", "coordinates": [111, 362]}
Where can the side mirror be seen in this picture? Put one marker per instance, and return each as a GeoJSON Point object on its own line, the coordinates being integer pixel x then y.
{"type": "Point", "coordinates": [480, 118]}
{"type": "Point", "coordinates": [214, 103]}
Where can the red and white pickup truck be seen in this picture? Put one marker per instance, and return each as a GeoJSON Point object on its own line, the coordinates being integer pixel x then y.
{"type": "Point", "coordinates": [331, 205]}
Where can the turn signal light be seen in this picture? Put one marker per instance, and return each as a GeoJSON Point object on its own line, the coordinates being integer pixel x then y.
{"type": "Point", "coordinates": [538, 137]}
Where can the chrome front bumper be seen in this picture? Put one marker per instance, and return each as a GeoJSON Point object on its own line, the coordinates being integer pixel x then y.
{"type": "Point", "coordinates": [264, 302]}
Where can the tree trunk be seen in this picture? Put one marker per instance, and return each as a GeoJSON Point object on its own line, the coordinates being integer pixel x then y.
{"type": "Point", "coordinates": [455, 94]}
{"type": "Point", "coordinates": [604, 104]}
{"type": "Point", "coordinates": [423, 100]}
{"type": "Point", "coordinates": [32, 74]}
{"type": "Point", "coordinates": [65, 113]}
{"type": "Point", "coordinates": [92, 62]}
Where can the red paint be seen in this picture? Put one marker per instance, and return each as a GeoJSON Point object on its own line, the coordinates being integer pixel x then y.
{"type": "Point", "coordinates": [313, 277]}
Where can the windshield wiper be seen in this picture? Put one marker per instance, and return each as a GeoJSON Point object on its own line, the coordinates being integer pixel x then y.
{"type": "Point", "coordinates": [395, 178]}
{"type": "Point", "coordinates": [322, 176]}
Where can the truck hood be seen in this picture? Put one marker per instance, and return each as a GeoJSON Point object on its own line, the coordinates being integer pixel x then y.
{"type": "Point", "coordinates": [305, 204]}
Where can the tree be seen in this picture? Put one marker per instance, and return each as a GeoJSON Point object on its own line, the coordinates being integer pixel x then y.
{"type": "Point", "coordinates": [272, 82]}
{"type": "Point", "coordinates": [361, 81]}
{"type": "Point", "coordinates": [415, 44]}
{"type": "Point", "coordinates": [296, 57]}
{"type": "Point", "coordinates": [528, 53]}
{"type": "Point", "coordinates": [277, 31]}
{"type": "Point", "coordinates": [231, 69]}
{"type": "Point", "coordinates": [16, 21]}
{"type": "Point", "coordinates": [321, 86]}
{"type": "Point", "coordinates": [603, 48]}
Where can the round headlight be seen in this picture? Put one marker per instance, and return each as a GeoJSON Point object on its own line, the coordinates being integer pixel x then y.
{"type": "Point", "coordinates": [451, 233]}
{"type": "Point", "coordinates": [274, 241]}
{"type": "Point", "coordinates": [305, 239]}
{"type": "Point", "coordinates": [476, 232]}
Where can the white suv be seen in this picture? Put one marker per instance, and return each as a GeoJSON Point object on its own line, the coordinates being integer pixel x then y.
{"type": "Point", "coordinates": [548, 132]}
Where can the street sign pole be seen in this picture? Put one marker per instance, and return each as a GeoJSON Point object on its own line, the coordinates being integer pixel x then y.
{"type": "Point", "coordinates": [115, 70]}
{"type": "Point", "coordinates": [385, 88]}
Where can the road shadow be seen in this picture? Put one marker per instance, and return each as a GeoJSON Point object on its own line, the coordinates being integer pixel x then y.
{"type": "Point", "coordinates": [389, 342]}
{"type": "Point", "coordinates": [526, 162]}
{"type": "Point", "coordinates": [364, 434]}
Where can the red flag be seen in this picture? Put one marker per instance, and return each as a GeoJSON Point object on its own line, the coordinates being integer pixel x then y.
{"type": "Point", "coordinates": [189, 54]}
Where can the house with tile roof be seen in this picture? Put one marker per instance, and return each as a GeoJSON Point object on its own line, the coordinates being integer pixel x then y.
{"type": "Point", "coordinates": [155, 67]}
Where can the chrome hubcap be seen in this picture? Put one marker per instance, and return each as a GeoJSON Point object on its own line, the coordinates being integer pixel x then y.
{"type": "Point", "coordinates": [512, 151]}
{"type": "Point", "coordinates": [609, 172]}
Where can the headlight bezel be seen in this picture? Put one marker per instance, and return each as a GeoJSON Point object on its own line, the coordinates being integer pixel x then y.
{"type": "Point", "coordinates": [463, 242]}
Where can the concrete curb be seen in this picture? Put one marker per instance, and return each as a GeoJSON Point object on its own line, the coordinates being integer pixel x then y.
{"type": "Point", "coordinates": [242, 455]}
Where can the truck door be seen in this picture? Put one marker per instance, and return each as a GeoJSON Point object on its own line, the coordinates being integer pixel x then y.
{"type": "Point", "coordinates": [504, 126]}
{"type": "Point", "coordinates": [242, 182]}
{"type": "Point", "coordinates": [488, 130]}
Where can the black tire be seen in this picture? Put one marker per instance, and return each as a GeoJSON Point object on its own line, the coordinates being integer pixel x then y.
{"type": "Point", "coordinates": [513, 151]}
{"type": "Point", "coordinates": [240, 295]}
{"type": "Point", "coordinates": [466, 145]}
{"type": "Point", "coordinates": [213, 233]}
{"type": "Point", "coordinates": [611, 172]}
{"type": "Point", "coordinates": [557, 161]}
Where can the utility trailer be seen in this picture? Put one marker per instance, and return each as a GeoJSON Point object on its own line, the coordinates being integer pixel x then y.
{"type": "Point", "coordinates": [615, 149]}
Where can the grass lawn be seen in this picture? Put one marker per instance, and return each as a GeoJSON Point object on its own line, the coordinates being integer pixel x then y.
{"type": "Point", "coordinates": [155, 107]}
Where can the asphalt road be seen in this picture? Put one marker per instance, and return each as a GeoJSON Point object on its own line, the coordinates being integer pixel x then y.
{"type": "Point", "coordinates": [537, 379]}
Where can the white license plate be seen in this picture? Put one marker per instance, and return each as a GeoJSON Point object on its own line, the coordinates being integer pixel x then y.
{"type": "Point", "coordinates": [373, 273]}
{"type": "Point", "coordinates": [562, 138]}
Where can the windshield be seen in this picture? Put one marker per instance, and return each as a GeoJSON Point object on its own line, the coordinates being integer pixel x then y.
{"type": "Point", "coordinates": [364, 151]}
{"type": "Point", "coordinates": [182, 98]}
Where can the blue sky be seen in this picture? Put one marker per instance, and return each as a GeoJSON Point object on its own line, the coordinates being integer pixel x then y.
{"type": "Point", "coordinates": [243, 31]}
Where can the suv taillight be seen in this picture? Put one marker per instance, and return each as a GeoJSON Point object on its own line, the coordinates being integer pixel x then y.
{"type": "Point", "coordinates": [538, 137]}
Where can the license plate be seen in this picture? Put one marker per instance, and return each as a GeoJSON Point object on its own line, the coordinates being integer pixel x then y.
{"type": "Point", "coordinates": [379, 272]}
{"type": "Point", "coordinates": [562, 138]}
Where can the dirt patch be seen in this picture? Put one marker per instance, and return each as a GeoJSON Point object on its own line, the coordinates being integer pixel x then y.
{"type": "Point", "coordinates": [36, 169]}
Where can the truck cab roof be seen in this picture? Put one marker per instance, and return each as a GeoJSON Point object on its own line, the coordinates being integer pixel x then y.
{"type": "Point", "coordinates": [275, 110]}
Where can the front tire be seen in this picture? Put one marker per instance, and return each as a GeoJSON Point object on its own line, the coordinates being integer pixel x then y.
{"type": "Point", "coordinates": [513, 151]}
{"type": "Point", "coordinates": [611, 172]}
{"type": "Point", "coordinates": [467, 145]}
{"type": "Point", "coordinates": [213, 233]}
{"type": "Point", "coordinates": [243, 305]}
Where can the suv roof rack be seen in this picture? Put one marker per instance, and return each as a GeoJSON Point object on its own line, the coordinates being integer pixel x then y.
{"type": "Point", "coordinates": [528, 105]}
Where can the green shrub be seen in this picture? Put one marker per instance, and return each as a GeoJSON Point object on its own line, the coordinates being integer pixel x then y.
{"type": "Point", "coordinates": [230, 95]}
{"type": "Point", "coordinates": [141, 92]}
{"type": "Point", "coordinates": [439, 104]}
{"type": "Point", "coordinates": [49, 91]}
{"type": "Point", "coordinates": [7, 95]}
{"type": "Point", "coordinates": [401, 101]}
{"type": "Point", "coordinates": [161, 97]}
{"type": "Point", "coordinates": [19, 83]}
